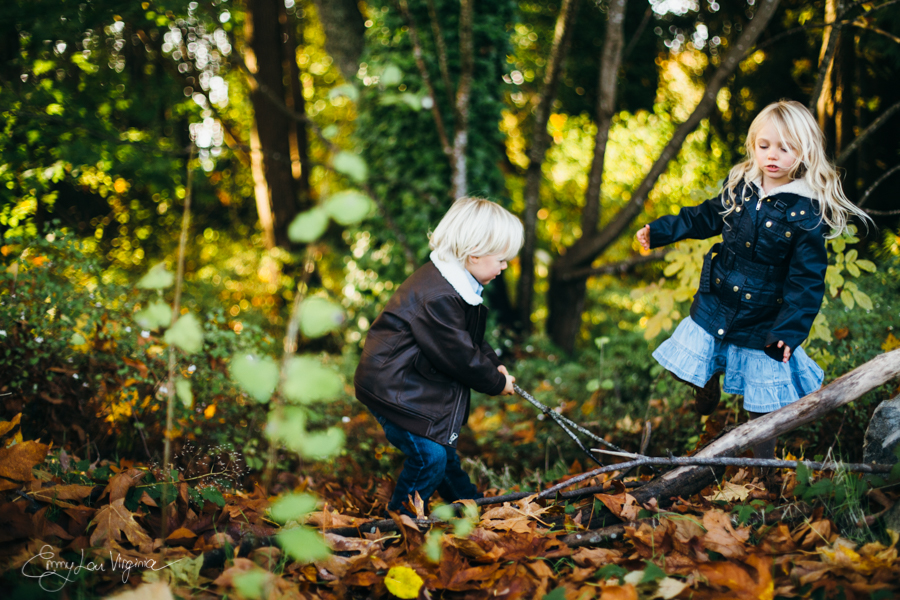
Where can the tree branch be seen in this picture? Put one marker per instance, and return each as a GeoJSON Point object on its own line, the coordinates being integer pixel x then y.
{"type": "Point", "coordinates": [596, 244]}
{"type": "Point", "coordinates": [622, 266]}
{"type": "Point", "coordinates": [866, 133]}
{"type": "Point", "coordinates": [441, 49]}
{"type": "Point", "coordinates": [423, 73]}
{"type": "Point", "coordinates": [463, 92]}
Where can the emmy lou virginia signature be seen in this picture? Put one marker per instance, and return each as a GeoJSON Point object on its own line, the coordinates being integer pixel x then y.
{"type": "Point", "coordinates": [53, 573]}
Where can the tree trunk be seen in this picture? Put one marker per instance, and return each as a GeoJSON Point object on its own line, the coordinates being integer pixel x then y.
{"type": "Point", "coordinates": [463, 93]}
{"type": "Point", "coordinates": [297, 137]}
{"type": "Point", "coordinates": [345, 32]}
{"type": "Point", "coordinates": [686, 481]}
{"type": "Point", "coordinates": [562, 320]}
{"type": "Point", "coordinates": [540, 142]}
{"type": "Point", "coordinates": [270, 146]}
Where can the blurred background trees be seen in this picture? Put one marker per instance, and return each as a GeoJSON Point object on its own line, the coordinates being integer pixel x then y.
{"type": "Point", "coordinates": [586, 118]}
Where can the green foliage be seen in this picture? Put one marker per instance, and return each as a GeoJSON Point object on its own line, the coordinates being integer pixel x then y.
{"type": "Point", "coordinates": [186, 334]}
{"type": "Point", "coordinates": [292, 507]}
{"type": "Point", "coordinates": [308, 226]}
{"type": "Point", "coordinates": [303, 544]}
{"type": "Point", "coordinates": [157, 278]}
{"type": "Point", "coordinates": [319, 316]}
{"type": "Point", "coordinates": [258, 376]}
{"type": "Point", "coordinates": [307, 381]}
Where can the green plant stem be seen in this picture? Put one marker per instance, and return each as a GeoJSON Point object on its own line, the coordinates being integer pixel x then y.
{"type": "Point", "coordinates": [170, 387]}
{"type": "Point", "coordinates": [290, 348]}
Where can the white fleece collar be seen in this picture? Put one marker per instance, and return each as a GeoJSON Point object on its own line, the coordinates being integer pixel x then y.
{"type": "Point", "coordinates": [455, 275]}
{"type": "Point", "coordinates": [797, 186]}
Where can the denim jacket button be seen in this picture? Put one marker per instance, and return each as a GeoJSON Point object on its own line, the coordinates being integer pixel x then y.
{"type": "Point", "coordinates": [793, 214]}
{"type": "Point", "coordinates": [718, 281]}
{"type": "Point", "coordinates": [747, 244]}
{"type": "Point", "coordinates": [738, 209]}
{"type": "Point", "coordinates": [748, 296]}
{"type": "Point", "coordinates": [768, 223]}
{"type": "Point", "coordinates": [721, 332]}
{"type": "Point", "coordinates": [736, 288]}
{"type": "Point", "coordinates": [787, 234]}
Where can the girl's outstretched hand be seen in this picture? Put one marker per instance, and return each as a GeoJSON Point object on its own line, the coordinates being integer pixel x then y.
{"type": "Point", "coordinates": [510, 380]}
{"type": "Point", "coordinates": [643, 237]}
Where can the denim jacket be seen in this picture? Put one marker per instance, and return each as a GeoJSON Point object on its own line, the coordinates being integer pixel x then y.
{"type": "Point", "coordinates": [765, 281]}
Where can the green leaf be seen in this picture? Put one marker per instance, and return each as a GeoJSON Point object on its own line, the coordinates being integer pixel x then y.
{"type": "Point", "coordinates": [351, 165]}
{"type": "Point", "coordinates": [411, 100]}
{"type": "Point", "coordinates": [156, 278]}
{"type": "Point", "coordinates": [348, 90]}
{"type": "Point", "coordinates": [303, 544]}
{"type": "Point", "coordinates": [444, 512]}
{"type": "Point", "coordinates": [288, 428]}
{"type": "Point", "coordinates": [186, 334]}
{"type": "Point", "coordinates": [308, 226]}
{"type": "Point", "coordinates": [607, 384]}
{"type": "Point", "coordinates": [183, 391]}
{"type": "Point", "coordinates": [839, 244]}
{"type": "Point", "coordinates": [157, 314]}
{"type": "Point", "coordinates": [77, 339]}
{"type": "Point", "coordinates": [803, 473]}
{"type": "Point", "coordinates": [432, 545]}
{"type": "Point", "coordinates": [319, 316]}
{"type": "Point", "coordinates": [392, 76]}
{"type": "Point", "coordinates": [251, 584]}
{"type": "Point", "coordinates": [292, 506]}
{"type": "Point", "coordinates": [213, 495]}
{"type": "Point", "coordinates": [847, 298]}
{"type": "Point", "coordinates": [556, 594]}
{"type": "Point", "coordinates": [348, 207]}
{"type": "Point", "coordinates": [321, 445]}
{"type": "Point", "coordinates": [866, 265]}
{"type": "Point", "coordinates": [256, 375]}
{"type": "Point", "coordinates": [863, 299]}
{"type": "Point", "coordinates": [652, 573]}
{"type": "Point", "coordinates": [308, 381]}
{"type": "Point", "coordinates": [610, 571]}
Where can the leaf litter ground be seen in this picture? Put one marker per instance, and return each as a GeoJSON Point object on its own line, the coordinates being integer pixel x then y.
{"type": "Point", "coordinates": [743, 538]}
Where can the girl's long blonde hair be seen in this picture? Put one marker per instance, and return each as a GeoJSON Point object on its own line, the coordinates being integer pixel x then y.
{"type": "Point", "coordinates": [800, 132]}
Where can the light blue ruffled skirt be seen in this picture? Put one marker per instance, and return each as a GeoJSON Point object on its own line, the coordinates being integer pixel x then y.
{"type": "Point", "coordinates": [694, 356]}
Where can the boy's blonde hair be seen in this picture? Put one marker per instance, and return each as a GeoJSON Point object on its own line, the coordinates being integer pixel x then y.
{"type": "Point", "coordinates": [477, 227]}
{"type": "Point", "coordinates": [800, 132]}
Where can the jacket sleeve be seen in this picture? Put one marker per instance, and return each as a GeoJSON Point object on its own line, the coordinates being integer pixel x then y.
{"type": "Point", "coordinates": [803, 288]}
{"type": "Point", "coordinates": [696, 222]}
{"type": "Point", "coordinates": [491, 354]}
{"type": "Point", "coordinates": [439, 329]}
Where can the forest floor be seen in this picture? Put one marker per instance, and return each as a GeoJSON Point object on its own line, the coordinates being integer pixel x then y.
{"type": "Point", "coordinates": [70, 528]}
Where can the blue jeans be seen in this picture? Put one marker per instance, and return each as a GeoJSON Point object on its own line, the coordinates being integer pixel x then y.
{"type": "Point", "coordinates": [429, 467]}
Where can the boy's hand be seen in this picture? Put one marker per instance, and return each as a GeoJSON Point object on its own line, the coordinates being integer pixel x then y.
{"type": "Point", "coordinates": [643, 237]}
{"type": "Point", "coordinates": [510, 380]}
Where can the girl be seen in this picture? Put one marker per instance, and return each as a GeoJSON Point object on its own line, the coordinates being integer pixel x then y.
{"type": "Point", "coordinates": [426, 350]}
{"type": "Point", "coordinates": [762, 285]}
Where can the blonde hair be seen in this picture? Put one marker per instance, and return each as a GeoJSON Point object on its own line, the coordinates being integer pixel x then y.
{"type": "Point", "coordinates": [800, 132]}
{"type": "Point", "coordinates": [477, 227]}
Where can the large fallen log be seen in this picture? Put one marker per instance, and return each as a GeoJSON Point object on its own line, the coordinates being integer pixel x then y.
{"type": "Point", "coordinates": [686, 481]}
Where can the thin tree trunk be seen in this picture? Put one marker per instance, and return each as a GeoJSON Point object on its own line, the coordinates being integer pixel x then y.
{"type": "Point", "coordinates": [686, 481]}
{"type": "Point", "coordinates": [297, 137]}
{"type": "Point", "coordinates": [540, 141]}
{"type": "Point", "coordinates": [562, 319]}
{"type": "Point", "coordinates": [463, 93]}
{"type": "Point", "coordinates": [345, 32]}
{"type": "Point", "coordinates": [270, 147]}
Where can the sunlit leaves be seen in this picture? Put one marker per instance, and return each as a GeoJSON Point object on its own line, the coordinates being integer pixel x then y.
{"type": "Point", "coordinates": [348, 207]}
{"type": "Point", "coordinates": [319, 316]}
{"type": "Point", "coordinates": [251, 584]}
{"type": "Point", "coordinates": [351, 165]}
{"type": "Point", "coordinates": [186, 334]}
{"type": "Point", "coordinates": [292, 506]}
{"type": "Point", "coordinates": [347, 90]}
{"type": "Point", "coordinates": [391, 76]}
{"type": "Point", "coordinates": [308, 226]}
{"type": "Point", "coordinates": [256, 375]}
{"type": "Point", "coordinates": [303, 544]}
{"type": "Point", "coordinates": [157, 314]}
{"type": "Point", "coordinates": [307, 381]}
{"type": "Point", "coordinates": [157, 278]}
{"type": "Point", "coordinates": [320, 445]}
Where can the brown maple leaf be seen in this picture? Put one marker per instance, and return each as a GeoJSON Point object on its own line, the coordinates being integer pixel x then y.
{"type": "Point", "coordinates": [113, 521]}
{"type": "Point", "coordinates": [17, 461]}
{"type": "Point", "coordinates": [722, 537]}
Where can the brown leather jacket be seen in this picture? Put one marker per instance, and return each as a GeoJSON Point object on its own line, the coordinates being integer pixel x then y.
{"type": "Point", "coordinates": [425, 352]}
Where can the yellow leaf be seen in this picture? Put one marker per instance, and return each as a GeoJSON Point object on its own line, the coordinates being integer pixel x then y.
{"type": "Point", "coordinates": [210, 411]}
{"type": "Point", "coordinates": [891, 343]}
{"type": "Point", "coordinates": [403, 582]}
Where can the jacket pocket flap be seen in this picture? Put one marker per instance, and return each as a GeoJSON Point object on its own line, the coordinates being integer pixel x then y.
{"type": "Point", "coordinates": [427, 370]}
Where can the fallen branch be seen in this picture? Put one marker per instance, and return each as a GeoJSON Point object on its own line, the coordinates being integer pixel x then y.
{"type": "Point", "coordinates": [687, 480]}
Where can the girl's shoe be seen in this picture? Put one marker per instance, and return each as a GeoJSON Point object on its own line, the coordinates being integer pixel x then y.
{"type": "Point", "coordinates": [707, 398]}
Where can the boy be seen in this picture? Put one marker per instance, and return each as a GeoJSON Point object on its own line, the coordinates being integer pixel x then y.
{"type": "Point", "coordinates": [426, 350]}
